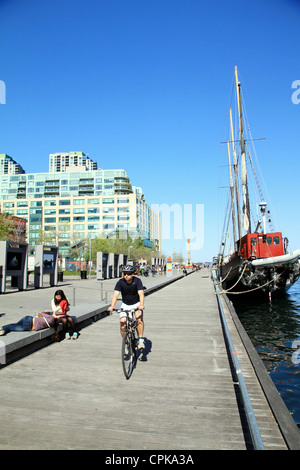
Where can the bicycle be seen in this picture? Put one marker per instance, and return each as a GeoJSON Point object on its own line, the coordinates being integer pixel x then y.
{"type": "Point", "coordinates": [130, 339]}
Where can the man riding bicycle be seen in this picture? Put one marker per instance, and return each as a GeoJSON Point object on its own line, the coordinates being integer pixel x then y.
{"type": "Point", "coordinates": [132, 291]}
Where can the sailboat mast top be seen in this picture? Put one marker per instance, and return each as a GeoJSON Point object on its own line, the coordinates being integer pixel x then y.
{"type": "Point", "coordinates": [246, 204]}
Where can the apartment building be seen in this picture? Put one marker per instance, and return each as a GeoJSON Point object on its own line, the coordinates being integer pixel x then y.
{"type": "Point", "coordinates": [8, 166]}
{"type": "Point", "coordinates": [66, 161]}
{"type": "Point", "coordinates": [68, 206]}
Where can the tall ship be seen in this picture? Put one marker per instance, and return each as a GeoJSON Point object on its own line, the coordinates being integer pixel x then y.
{"type": "Point", "coordinates": [253, 259]}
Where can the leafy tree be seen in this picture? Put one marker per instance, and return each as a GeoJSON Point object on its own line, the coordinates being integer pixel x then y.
{"type": "Point", "coordinates": [6, 227]}
{"type": "Point", "coordinates": [136, 248]}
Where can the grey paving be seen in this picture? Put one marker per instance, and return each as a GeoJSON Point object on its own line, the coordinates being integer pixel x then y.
{"type": "Point", "coordinates": [16, 304]}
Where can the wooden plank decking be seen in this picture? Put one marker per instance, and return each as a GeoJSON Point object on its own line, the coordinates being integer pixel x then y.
{"type": "Point", "coordinates": [181, 396]}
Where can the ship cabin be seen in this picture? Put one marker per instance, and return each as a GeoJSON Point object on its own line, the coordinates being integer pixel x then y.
{"type": "Point", "coordinates": [260, 245]}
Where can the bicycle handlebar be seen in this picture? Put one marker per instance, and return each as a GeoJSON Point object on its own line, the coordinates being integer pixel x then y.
{"type": "Point", "coordinates": [125, 310]}
{"type": "Point", "coordinates": [119, 310]}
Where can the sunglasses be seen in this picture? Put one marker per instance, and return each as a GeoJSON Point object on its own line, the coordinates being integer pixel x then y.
{"type": "Point", "coordinates": [128, 274]}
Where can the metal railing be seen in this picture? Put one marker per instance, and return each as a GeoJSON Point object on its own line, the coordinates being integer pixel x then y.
{"type": "Point", "coordinates": [252, 423]}
{"type": "Point", "coordinates": [103, 293]}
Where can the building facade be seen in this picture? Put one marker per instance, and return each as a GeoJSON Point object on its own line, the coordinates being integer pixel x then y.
{"type": "Point", "coordinates": [65, 207]}
{"type": "Point", "coordinates": [66, 161]}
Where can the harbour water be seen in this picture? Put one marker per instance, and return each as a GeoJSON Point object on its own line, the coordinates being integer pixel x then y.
{"type": "Point", "coordinates": [274, 329]}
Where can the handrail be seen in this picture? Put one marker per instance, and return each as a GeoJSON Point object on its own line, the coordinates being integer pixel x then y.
{"type": "Point", "coordinates": [253, 427]}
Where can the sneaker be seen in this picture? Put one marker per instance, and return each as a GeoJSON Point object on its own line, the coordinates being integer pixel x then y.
{"type": "Point", "coordinates": [141, 344]}
{"type": "Point", "coordinates": [75, 336]}
{"type": "Point", "coordinates": [68, 336]}
{"type": "Point", "coordinates": [2, 332]}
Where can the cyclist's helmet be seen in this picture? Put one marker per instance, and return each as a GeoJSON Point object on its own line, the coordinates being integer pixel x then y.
{"type": "Point", "coordinates": [129, 269]}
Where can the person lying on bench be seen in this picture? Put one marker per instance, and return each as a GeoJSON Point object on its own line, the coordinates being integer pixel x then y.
{"type": "Point", "coordinates": [29, 323]}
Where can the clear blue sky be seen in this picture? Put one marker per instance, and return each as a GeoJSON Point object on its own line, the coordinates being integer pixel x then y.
{"type": "Point", "coordinates": [145, 86]}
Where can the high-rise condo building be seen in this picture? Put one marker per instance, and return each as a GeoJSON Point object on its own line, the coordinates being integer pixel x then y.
{"type": "Point", "coordinates": [61, 162]}
{"type": "Point", "coordinates": [8, 166]}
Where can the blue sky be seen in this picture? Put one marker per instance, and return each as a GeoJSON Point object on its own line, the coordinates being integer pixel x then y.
{"type": "Point", "coordinates": [145, 86]}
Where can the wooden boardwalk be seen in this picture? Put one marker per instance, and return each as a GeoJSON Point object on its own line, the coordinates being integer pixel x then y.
{"type": "Point", "coordinates": [181, 396]}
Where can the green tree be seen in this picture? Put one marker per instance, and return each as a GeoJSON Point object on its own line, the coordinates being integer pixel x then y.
{"type": "Point", "coordinates": [136, 248]}
{"type": "Point", "coordinates": [6, 227]}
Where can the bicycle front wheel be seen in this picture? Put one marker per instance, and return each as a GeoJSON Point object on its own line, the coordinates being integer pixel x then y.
{"type": "Point", "coordinates": [128, 355]}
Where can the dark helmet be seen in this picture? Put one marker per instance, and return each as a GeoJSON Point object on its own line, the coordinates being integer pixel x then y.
{"type": "Point", "coordinates": [128, 269]}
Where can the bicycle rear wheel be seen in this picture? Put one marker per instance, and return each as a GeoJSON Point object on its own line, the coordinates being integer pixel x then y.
{"type": "Point", "coordinates": [128, 355]}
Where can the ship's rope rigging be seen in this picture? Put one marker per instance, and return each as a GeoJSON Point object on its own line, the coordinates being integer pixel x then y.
{"type": "Point", "coordinates": [255, 177]}
{"type": "Point", "coordinates": [258, 190]}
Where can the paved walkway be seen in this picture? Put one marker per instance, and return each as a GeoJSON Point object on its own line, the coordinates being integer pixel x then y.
{"type": "Point", "coordinates": [73, 394]}
{"type": "Point", "coordinates": [16, 304]}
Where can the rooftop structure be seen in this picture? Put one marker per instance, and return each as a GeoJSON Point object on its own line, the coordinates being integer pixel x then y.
{"type": "Point", "coordinates": [8, 166]}
{"type": "Point", "coordinates": [70, 161]}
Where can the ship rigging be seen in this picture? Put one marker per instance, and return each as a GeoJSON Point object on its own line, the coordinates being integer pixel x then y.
{"type": "Point", "coordinates": [258, 261]}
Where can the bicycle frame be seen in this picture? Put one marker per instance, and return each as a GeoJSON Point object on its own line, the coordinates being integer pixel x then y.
{"type": "Point", "coordinates": [129, 342]}
{"type": "Point", "coordinates": [131, 323]}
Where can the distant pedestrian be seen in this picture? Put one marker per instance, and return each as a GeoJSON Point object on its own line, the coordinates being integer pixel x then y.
{"type": "Point", "coordinates": [60, 306]}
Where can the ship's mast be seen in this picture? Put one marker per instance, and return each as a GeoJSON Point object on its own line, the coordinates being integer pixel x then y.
{"type": "Point", "coordinates": [236, 181]}
{"type": "Point", "coordinates": [232, 196]}
{"type": "Point", "coordinates": [246, 204]}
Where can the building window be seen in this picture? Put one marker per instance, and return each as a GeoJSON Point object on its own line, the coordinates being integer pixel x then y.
{"type": "Point", "coordinates": [123, 201]}
{"type": "Point", "coordinates": [22, 211]}
{"type": "Point", "coordinates": [64, 235]}
{"type": "Point", "coordinates": [36, 211]}
{"type": "Point", "coordinates": [50, 211]}
{"type": "Point", "coordinates": [50, 203]}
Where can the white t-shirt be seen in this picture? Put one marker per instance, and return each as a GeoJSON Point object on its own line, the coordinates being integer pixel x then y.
{"type": "Point", "coordinates": [56, 309]}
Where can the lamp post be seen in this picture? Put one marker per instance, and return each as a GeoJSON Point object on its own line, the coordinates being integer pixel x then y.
{"type": "Point", "coordinates": [90, 256]}
{"type": "Point", "coordinates": [129, 252]}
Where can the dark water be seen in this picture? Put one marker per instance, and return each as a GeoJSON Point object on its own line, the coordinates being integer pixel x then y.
{"type": "Point", "coordinates": [274, 329]}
